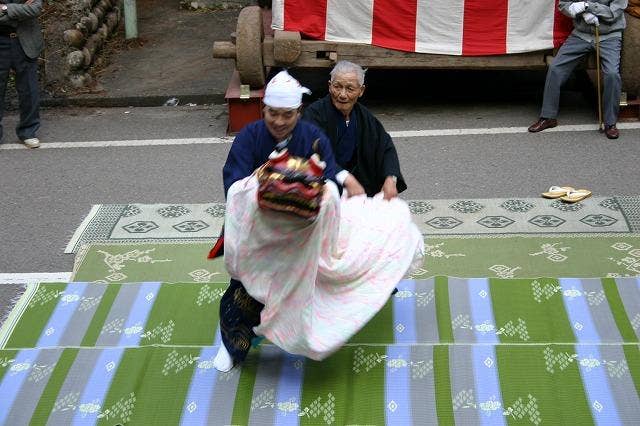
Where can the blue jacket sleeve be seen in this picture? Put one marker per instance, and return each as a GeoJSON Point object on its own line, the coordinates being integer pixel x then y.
{"type": "Point", "coordinates": [239, 162]}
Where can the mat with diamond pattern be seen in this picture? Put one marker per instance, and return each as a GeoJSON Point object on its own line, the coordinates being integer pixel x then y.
{"type": "Point", "coordinates": [127, 223]}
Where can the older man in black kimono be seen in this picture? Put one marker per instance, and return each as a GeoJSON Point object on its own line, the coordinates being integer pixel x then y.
{"type": "Point", "coordinates": [366, 157]}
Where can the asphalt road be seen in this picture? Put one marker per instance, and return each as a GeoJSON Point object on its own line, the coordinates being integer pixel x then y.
{"type": "Point", "coordinates": [46, 193]}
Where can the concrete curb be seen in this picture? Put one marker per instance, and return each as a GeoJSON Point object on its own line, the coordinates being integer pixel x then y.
{"type": "Point", "coordinates": [129, 101]}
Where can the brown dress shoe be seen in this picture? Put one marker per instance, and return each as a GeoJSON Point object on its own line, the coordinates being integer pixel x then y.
{"type": "Point", "coordinates": [543, 123]}
{"type": "Point", "coordinates": [611, 131]}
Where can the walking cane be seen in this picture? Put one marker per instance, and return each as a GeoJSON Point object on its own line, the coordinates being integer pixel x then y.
{"type": "Point", "coordinates": [600, 124]}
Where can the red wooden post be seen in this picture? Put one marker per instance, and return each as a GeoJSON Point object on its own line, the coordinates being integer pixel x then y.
{"type": "Point", "coordinates": [245, 104]}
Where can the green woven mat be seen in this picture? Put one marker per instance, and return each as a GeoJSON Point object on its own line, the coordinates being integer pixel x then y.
{"type": "Point", "coordinates": [505, 257]}
{"type": "Point", "coordinates": [449, 350]}
{"type": "Point", "coordinates": [168, 262]}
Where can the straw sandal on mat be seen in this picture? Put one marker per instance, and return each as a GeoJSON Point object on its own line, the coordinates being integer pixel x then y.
{"type": "Point", "coordinates": [557, 191]}
{"type": "Point", "coordinates": [576, 195]}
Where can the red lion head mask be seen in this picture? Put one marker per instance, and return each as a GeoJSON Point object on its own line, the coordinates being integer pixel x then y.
{"type": "Point", "coordinates": [292, 185]}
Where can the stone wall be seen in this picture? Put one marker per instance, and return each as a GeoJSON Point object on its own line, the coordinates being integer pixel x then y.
{"type": "Point", "coordinates": [634, 8]}
{"type": "Point", "coordinates": [215, 4]}
{"type": "Point", "coordinates": [74, 33]}
{"type": "Point", "coordinates": [76, 30]}
{"type": "Point", "coordinates": [100, 19]}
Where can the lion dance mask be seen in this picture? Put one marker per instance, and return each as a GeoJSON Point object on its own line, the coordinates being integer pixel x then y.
{"type": "Point", "coordinates": [291, 184]}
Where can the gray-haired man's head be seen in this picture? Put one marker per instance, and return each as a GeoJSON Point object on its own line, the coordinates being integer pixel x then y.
{"type": "Point", "coordinates": [346, 86]}
{"type": "Point", "coordinates": [343, 67]}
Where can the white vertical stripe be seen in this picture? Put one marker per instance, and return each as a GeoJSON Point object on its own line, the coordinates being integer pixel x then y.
{"type": "Point", "coordinates": [277, 14]}
{"type": "Point", "coordinates": [530, 25]}
{"type": "Point", "coordinates": [439, 26]}
{"type": "Point", "coordinates": [83, 226]}
{"type": "Point", "coordinates": [349, 21]}
{"type": "Point", "coordinates": [6, 330]}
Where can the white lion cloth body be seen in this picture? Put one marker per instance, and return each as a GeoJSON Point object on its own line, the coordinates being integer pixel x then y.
{"type": "Point", "coordinates": [320, 281]}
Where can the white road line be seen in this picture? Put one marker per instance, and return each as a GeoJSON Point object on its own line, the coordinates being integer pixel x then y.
{"type": "Point", "coordinates": [394, 134]}
{"type": "Point", "coordinates": [137, 142]}
{"type": "Point", "coordinates": [35, 277]}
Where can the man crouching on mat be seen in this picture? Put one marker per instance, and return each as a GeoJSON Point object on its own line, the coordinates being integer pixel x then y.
{"type": "Point", "coordinates": [309, 268]}
{"type": "Point", "coordinates": [281, 128]}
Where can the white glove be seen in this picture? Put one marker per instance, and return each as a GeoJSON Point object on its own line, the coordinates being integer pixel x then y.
{"type": "Point", "coordinates": [590, 19]}
{"type": "Point", "coordinates": [576, 8]}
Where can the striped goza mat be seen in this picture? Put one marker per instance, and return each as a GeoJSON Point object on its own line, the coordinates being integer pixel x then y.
{"type": "Point", "coordinates": [127, 223]}
{"type": "Point", "coordinates": [451, 350]}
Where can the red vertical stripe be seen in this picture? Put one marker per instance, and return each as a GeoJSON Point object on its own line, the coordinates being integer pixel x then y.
{"type": "Point", "coordinates": [394, 24]}
{"type": "Point", "coordinates": [308, 17]}
{"type": "Point", "coordinates": [485, 27]}
{"type": "Point", "coordinates": [562, 26]}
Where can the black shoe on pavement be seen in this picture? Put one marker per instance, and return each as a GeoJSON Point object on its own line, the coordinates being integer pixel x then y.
{"type": "Point", "coordinates": [611, 131]}
{"type": "Point", "coordinates": [542, 124]}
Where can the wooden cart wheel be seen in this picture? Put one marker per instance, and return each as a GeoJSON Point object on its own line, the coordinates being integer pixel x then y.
{"type": "Point", "coordinates": [249, 37]}
{"type": "Point", "coordinates": [630, 61]}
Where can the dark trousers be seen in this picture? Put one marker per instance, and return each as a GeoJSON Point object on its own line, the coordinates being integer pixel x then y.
{"type": "Point", "coordinates": [12, 57]}
{"type": "Point", "coordinates": [568, 57]}
{"type": "Point", "coordinates": [239, 313]}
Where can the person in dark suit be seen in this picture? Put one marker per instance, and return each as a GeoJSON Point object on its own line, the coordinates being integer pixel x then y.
{"type": "Point", "coordinates": [20, 45]}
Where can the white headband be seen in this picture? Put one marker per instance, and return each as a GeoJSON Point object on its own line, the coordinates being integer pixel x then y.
{"type": "Point", "coordinates": [284, 91]}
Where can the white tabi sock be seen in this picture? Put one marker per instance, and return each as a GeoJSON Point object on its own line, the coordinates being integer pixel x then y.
{"type": "Point", "coordinates": [223, 361]}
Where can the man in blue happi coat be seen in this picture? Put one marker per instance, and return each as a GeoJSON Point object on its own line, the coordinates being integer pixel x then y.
{"type": "Point", "coordinates": [281, 127]}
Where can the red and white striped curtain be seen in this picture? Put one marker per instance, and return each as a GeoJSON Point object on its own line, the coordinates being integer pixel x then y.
{"type": "Point", "coordinates": [451, 27]}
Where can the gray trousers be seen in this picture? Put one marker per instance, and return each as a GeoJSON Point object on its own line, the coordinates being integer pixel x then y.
{"type": "Point", "coordinates": [568, 57]}
{"type": "Point", "coordinates": [12, 56]}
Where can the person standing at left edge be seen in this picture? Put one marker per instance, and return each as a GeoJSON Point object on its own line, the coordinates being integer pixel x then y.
{"type": "Point", "coordinates": [20, 45]}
